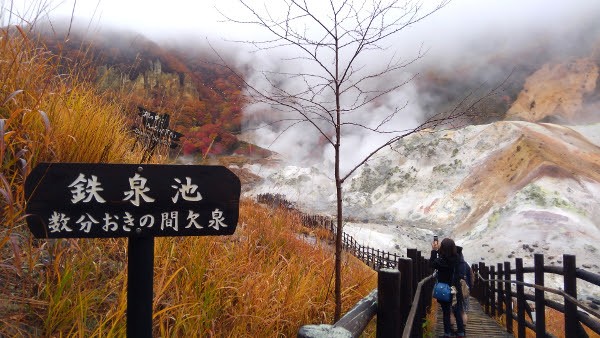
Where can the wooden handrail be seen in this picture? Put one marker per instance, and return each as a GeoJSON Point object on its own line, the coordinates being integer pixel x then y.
{"type": "Point", "coordinates": [576, 312]}
{"type": "Point", "coordinates": [389, 302]}
{"type": "Point", "coordinates": [415, 303]}
{"type": "Point", "coordinates": [584, 275]}
{"type": "Point", "coordinates": [352, 324]}
{"type": "Point", "coordinates": [546, 289]}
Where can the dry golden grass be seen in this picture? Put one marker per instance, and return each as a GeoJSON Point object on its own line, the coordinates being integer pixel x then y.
{"type": "Point", "coordinates": [431, 320]}
{"type": "Point", "coordinates": [264, 281]}
{"type": "Point", "coordinates": [49, 116]}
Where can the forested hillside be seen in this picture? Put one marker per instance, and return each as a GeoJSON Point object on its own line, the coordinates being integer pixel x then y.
{"type": "Point", "coordinates": [205, 101]}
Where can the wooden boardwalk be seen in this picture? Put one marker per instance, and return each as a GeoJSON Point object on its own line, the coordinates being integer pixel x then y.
{"type": "Point", "coordinates": [479, 324]}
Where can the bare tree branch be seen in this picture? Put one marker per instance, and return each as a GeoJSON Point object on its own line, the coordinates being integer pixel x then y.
{"type": "Point", "coordinates": [340, 84]}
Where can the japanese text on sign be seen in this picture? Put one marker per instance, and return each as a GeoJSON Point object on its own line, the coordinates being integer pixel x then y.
{"type": "Point", "coordinates": [85, 200]}
{"type": "Point", "coordinates": [88, 190]}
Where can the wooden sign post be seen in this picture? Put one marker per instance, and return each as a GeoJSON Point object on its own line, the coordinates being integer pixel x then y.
{"type": "Point", "coordinates": [153, 131]}
{"type": "Point", "coordinates": [140, 202]}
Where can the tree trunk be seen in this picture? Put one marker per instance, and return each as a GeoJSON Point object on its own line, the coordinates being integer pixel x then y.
{"type": "Point", "coordinates": [338, 240]}
{"type": "Point", "coordinates": [338, 189]}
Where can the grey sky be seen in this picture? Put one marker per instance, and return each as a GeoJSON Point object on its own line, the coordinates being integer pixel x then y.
{"type": "Point", "coordinates": [461, 18]}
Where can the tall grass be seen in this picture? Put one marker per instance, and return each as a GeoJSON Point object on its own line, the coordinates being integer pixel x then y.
{"type": "Point", "coordinates": [264, 281]}
{"type": "Point", "coordinates": [49, 116]}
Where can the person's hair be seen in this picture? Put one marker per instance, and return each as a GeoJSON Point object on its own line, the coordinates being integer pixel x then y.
{"type": "Point", "coordinates": [447, 248]}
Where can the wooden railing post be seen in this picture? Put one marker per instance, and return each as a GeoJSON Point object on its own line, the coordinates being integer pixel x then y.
{"type": "Point", "coordinates": [493, 291]}
{"type": "Point", "coordinates": [423, 296]}
{"type": "Point", "coordinates": [508, 298]}
{"type": "Point", "coordinates": [540, 304]}
{"type": "Point", "coordinates": [412, 254]}
{"type": "Point", "coordinates": [572, 324]}
{"type": "Point", "coordinates": [417, 263]}
{"type": "Point", "coordinates": [405, 266]}
{"type": "Point", "coordinates": [488, 294]}
{"type": "Point", "coordinates": [418, 271]}
{"type": "Point", "coordinates": [389, 305]}
{"type": "Point", "coordinates": [483, 285]}
{"type": "Point", "coordinates": [520, 299]}
{"type": "Point", "coordinates": [476, 283]}
{"type": "Point", "coordinates": [500, 276]}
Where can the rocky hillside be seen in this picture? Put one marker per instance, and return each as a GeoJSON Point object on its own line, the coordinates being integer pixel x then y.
{"type": "Point", "coordinates": [505, 189]}
{"type": "Point", "coordinates": [559, 92]}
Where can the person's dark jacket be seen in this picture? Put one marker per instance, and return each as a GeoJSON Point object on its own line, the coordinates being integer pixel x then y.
{"type": "Point", "coordinates": [447, 267]}
{"type": "Point", "coordinates": [464, 270]}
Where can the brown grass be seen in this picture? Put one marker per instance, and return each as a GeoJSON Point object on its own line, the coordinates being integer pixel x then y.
{"type": "Point", "coordinates": [264, 281]}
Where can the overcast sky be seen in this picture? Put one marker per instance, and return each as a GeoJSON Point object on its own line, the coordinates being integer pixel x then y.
{"type": "Point", "coordinates": [461, 25]}
{"type": "Point", "coordinates": [167, 17]}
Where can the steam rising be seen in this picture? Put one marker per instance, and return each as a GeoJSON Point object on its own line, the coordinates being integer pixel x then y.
{"type": "Point", "coordinates": [477, 42]}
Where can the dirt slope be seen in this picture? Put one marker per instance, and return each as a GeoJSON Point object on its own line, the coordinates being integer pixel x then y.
{"type": "Point", "coordinates": [556, 91]}
{"type": "Point", "coordinates": [545, 151]}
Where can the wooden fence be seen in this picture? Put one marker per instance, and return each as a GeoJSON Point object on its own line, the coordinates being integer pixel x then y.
{"type": "Point", "coordinates": [401, 303]}
{"type": "Point", "coordinates": [493, 288]}
{"type": "Point", "coordinates": [375, 258]}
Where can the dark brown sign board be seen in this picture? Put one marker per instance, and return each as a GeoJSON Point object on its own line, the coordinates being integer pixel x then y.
{"type": "Point", "coordinates": [78, 200]}
{"type": "Point", "coordinates": [140, 202]}
{"type": "Point", "coordinates": [154, 129]}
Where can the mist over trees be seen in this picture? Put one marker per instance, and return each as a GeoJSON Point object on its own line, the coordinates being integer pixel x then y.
{"type": "Point", "coordinates": [337, 73]}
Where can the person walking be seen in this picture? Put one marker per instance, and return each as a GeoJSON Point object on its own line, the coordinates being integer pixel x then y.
{"type": "Point", "coordinates": [466, 276]}
{"type": "Point", "coordinates": [445, 260]}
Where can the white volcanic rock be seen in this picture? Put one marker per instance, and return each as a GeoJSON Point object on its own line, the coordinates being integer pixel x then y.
{"type": "Point", "coordinates": [503, 190]}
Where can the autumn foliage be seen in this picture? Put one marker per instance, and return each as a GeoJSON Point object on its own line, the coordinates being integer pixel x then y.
{"type": "Point", "coordinates": [266, 280]}
{"type": "Point", "coordinates": [204, 100]}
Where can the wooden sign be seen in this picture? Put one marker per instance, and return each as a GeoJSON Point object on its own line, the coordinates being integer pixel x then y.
{"type": "Point", "coordinates": [140, 202]}
{"type": "Point", "coordinates": [154, 130]}
{"type": "Point", "coordinates": [74, 200]}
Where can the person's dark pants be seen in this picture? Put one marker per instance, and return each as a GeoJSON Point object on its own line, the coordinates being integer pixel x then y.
{"type": "Point", "coordinates": [457, 310]}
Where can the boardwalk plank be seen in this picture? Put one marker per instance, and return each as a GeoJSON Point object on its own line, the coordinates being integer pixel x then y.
{"type": "Point", "coordinates": [478, 325]}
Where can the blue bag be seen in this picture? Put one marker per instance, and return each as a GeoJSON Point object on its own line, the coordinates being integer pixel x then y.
{"type": "Point", "coordinates": [442, 292]}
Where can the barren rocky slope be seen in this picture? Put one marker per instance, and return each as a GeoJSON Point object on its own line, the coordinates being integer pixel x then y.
{"type": "Point", "coordinates": [502, 190]}
{"type": "Point", "coordinates": [557, 91]}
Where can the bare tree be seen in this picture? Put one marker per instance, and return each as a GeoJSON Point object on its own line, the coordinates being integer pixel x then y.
{"type": "Point", "coordinates": [351, 68]}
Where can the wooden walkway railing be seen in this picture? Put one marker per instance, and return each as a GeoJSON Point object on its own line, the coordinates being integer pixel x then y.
{"type": "Point", "coordinates": [400, 308]}
{"type": "Point", "coordinates": [375, 258]}
{"type": "Point", "coordinates": [493, 289]}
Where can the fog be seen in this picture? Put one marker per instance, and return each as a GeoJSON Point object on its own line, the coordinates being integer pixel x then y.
{"type": "Point", "coordinates": [484, 42]}
{"type": "Point", "coordinates": [481, 40]}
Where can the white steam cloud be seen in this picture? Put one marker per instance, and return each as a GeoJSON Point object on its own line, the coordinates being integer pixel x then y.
{"type": "Point", "coordinates": [486, 39]}
{"type": "Point", "coordinates": [465, 37]}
